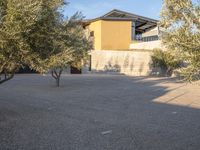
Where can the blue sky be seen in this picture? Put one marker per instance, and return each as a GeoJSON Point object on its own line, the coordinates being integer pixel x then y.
{"type": "Point", "coordinates": [96, 8]}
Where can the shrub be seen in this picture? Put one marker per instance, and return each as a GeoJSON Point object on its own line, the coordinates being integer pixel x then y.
{"type": "Point", "coordinates": [165, 61]}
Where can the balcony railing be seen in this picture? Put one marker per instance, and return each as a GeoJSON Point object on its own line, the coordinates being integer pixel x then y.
{"type": "Point", "coordinates": [146, 39]}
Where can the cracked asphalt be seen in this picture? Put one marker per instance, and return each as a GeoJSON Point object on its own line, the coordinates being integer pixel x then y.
{"type": "Point", "coordinates": [99, 112]}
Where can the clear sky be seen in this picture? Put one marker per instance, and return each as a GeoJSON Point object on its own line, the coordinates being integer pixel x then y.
{"type": "Point", "coordinates": [96, 8]}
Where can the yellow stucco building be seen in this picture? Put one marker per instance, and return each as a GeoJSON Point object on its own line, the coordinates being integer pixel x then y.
{"type": "Point", "coordinates": [110, 34]}
{"type": "Point", "coordinates": [117, 30]}
{"type": "Point", "coordinates": [122, 42]}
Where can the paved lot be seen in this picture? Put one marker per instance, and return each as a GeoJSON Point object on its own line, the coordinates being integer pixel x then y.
{"type": "Point", "coordinates": [99, 112]}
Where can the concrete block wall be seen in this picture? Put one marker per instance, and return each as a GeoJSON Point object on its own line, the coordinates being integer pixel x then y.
{"type": "Point", "coordinates": [130, 62]}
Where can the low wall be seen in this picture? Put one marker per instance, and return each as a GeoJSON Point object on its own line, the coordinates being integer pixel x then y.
{"type": "Point", "coordinates": [146, 45]}
{"type": "Point", "coordinates": [130, 62]}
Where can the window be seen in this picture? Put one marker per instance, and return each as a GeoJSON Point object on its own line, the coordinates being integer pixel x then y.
{"type": "Point", "coordinates": [92, 33]}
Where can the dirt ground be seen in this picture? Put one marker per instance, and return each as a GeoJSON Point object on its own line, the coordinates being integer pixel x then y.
{"type": "Point", "coordinates": [99, 112]}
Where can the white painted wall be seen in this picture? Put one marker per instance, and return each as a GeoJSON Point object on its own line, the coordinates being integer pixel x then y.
{"type": "Point", "coordinates": [146, 45]}
{"type": "Point", "coordinates": [152, 32]}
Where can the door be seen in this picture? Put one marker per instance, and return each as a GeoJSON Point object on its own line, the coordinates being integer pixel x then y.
{"type": "Point", "coordinates": [75, 70]}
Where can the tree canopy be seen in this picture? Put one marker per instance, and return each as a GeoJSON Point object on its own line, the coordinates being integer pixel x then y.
{"type": "Point", "coordinates": [181, 21]}
{"type": "Point", "coordinates": [35, 33]}
{"type": "Point", "coordinates": [16, 18]}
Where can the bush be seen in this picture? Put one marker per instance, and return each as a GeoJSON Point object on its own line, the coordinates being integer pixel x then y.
{"type": "Point", "coordinates": [165, 61]}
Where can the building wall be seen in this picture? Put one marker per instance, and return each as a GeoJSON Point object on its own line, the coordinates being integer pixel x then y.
{"type": "Point", "coordinates": [109, 35]}
{"type": "Point", "coordinates": [146, 45]}
{"type": "Point", "coordinates": [134, 62]}
{"type": "Point", "coordinates": [96, 27]}
{"type": "Point", "coordinates": [116, 35]}
{"type": "Point", "coordinates": [151, 32]}
{"type": "Point", "coordinates": [115, 52]}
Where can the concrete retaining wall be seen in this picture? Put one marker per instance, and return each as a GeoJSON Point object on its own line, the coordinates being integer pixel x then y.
{"type": "Point", "coordinates": [130, 62]}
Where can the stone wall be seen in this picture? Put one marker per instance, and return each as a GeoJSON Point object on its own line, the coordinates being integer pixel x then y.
{"type": "Point", "coordinates": [130, 62]}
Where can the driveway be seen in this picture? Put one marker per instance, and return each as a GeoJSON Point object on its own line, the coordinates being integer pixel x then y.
{"type": "Point", "coordinates": [99, 112]}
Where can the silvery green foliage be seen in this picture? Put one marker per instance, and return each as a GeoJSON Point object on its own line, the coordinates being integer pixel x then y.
{"type": "Point", "coordinates": [181, 20]}
{"type": "Point", "coordinates": [35, 33]}
{"type": "Point", "coordinates": [16, 19]}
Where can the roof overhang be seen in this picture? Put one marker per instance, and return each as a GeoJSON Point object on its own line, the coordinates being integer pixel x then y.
{"type": "Point", "coordinates": [142, 24]}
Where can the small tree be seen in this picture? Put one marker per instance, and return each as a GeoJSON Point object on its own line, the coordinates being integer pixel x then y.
{"type": "Point", "coordinates": [181, 20]}
{"type": "Point", "coordinates": [57, 42]}
{"type": "Point", "coordinates": [74, 50]}
{"type": "Point", "coordinates": [35, 33]}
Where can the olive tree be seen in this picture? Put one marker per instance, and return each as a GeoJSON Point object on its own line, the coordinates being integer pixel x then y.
{"type": "Point", "coordinates": [35, 33]}
{"type": "Point", "coordinates": [16, 18]}
{"type": "Point", "coordinates": [181, 21]}
{"type": "Point", "coordinates": [58, 42]}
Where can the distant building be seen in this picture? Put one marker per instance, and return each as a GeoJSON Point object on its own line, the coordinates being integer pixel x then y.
{"type": "Point", "coordinates": [119, 30]}
{"type": "Point", "coordinates": [122, 42]}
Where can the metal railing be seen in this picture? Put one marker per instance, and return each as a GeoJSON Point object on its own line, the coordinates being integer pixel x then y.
{"type": "Point", "coordinates": [146, 39]}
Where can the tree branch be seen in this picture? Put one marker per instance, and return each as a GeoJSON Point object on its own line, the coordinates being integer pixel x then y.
{"type": "Point", "coordinates": [56, 75]}
{"type": "Point", "coordinates": [60, 72]}
{"type": "Point", "coordinates": [52, 74]}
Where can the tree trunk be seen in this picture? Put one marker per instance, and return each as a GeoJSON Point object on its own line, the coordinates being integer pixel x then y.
{"type": "Point", "coordinates": [56, 74]}
{"type": "Point", "coordinates": [169, 71]}
{"type": "Point", "coordinates": [7, 76]}
{"type": "Point", "coordinates": [58, 82]}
